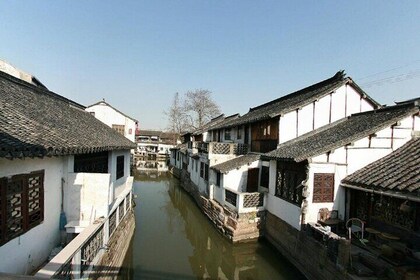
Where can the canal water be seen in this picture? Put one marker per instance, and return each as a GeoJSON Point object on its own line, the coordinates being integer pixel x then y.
{"type": "Point", "coordinates": [175, 240]}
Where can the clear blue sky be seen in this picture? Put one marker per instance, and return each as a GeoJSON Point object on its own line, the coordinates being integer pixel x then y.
{"type": "Point", "coordinates": [137, 54]}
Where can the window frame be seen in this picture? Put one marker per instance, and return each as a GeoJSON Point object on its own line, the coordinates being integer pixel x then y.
{"type": "Point", "coordinates": [323, 188]}
{"type": "Point", "coordinates": [218, 179]}
{"type": "Point", "coordinates": [228, 134]}
{"type": "Point", "coordinates": [239, 133]}
{"type": "Point", "coordinates": [120, 166]}
{"type": "Point", "coordinates": [31, 206]}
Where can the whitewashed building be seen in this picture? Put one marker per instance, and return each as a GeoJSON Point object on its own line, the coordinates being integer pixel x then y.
{"type": "Point", "coordinates": [114, 118]}
{"type": "Point", "coordinates": [306, 172]}
{"type": "Point", "coordinates": [267, 126]}
{"type": "Point", "coordinates": [56, 161]}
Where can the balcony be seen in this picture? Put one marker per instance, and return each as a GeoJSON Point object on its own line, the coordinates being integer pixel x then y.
{"type": "Point", "coordinates": [243, 202]}
{"type": "Point", "coordinates": [219, 148]}
{"type": "Point", "coordinates": [78, 259]}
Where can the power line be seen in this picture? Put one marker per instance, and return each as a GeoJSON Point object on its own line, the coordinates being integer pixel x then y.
{"type": "Point", "coordinates": [393, 79]}
{"type": "Point", "coordinates": [389, 70]}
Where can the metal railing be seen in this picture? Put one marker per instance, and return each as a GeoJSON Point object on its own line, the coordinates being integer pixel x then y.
{"type": "Point", "coordinates": [75, 261]}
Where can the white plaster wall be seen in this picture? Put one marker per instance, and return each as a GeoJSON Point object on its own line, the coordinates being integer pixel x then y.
{"type": "Point", "coordinates": [237, 179]}
{"type": "Point", "coordinates": [338, 203]}
{"type": "Point", "coordinates": [322, 111]}
{"type": "Point", "coordinates": [109, 116]}
{"type": "Point", "coordinates": [343, 102]}
{"type": "Point", "coordinates": [86, 196]}
{"type": "Point", "coordinates": [338, 156]}
{"type": "Point", "coordinates": [216, 158]}
{"type": "Point", "coordinates": [195, 171]}
{"type": "Point", "coordinates": [338, 108]}
{"type": "Point", "coordinates": [284, 210]}
{"type": "Point", "coordinates": [305, 116]}
{"type": "Point", "coordinates": [354, 102]}
{"type": "Point", "coordinates": [28, 251]}
{"type": "Point", "coordinates": [359, 158]}
{"type": "Point", "coordinates": [287, 127]}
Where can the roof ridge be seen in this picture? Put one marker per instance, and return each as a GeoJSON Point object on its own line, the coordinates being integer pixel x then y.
{"type": "Point", "coordinates": [40, 90]}
{"type": "Point", "coordinates": [408, 104]}
{"type": "Point", "coordinates": [339, 76]}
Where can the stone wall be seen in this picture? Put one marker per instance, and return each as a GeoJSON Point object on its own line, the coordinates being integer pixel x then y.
{"type": "Point", "coordinates": [317, 257]}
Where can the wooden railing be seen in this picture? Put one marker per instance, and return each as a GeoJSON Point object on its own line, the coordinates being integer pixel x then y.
{"type": "Point", "coordinates": [77, 259]}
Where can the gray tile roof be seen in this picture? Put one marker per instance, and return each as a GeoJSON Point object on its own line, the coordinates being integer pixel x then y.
{"type": "Point", "coordinates": [35, 122]}
{"type": "Point", "coordinates": [294, 101]}
{"type": "Point", "coordinates": [216, 122]}
{"type": "Point", "coordinates": [398, 171]}
{"type": "Point", "coordinates": [232, 164]}
{"type": "Point", "coordinates": [342, 132]}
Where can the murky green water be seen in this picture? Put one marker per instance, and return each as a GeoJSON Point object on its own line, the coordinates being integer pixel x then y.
{"type": "Point", "coordinates": [174, 240]}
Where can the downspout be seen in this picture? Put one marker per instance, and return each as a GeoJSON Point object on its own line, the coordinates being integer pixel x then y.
{"type": "Point", "coordinates": [63, 218]}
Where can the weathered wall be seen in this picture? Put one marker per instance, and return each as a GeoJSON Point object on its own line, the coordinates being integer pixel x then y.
{"type": "Point", "coordinates": [315, 259]}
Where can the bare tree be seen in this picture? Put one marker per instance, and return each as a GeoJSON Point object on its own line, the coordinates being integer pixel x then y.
{"type": "Point", "coordinates": [201, 107]}
{"type": "Point", "coordinates": [177, 118]}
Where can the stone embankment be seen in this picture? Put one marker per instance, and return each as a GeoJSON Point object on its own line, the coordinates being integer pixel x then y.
{"type": "Point", "coordinates": [236, 227]}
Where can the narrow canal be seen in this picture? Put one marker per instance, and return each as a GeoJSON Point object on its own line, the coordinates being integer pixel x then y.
{"type": "Point", "coordinates": [174, 240]}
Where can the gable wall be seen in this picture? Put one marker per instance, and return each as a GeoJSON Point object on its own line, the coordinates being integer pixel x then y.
{"type": "Point", "coordinates": [109, 116]}
{"type": "Point", "coordinates": [330, 108]}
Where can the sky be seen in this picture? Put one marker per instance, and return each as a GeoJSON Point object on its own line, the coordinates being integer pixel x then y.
{"type": "Point", "coordinates": [137, 54]}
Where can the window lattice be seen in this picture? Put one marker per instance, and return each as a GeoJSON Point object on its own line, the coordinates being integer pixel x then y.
{"type": "Point", "coordinates": [289, 179]}
{"type": "Point", "coordinates": [323, 187]}
{"type": "Point", "coordinates": [221, 148]}
{"type": "Point", "coordinates": [21, 204]}
{"type": "Point", "coordinates": [254, 200]}
{"type": "Point", "coordinates": [230, 197]}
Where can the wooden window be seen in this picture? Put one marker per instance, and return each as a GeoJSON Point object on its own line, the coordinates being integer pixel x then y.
{"type": "Point", "coordinates": [218, 179]}
{"type": "Point", "coordinates": [227, 134]}
{"type": "Point", "coordinates": [265, 176]}
{"type": "Point", "coordinates": [214, 133]}
{"type": "Point", "coordinates": [120, 166]}
{"type": "Point", "coordinates": [202, 169]}
{"type": "Point", "coordinates": [119, 128]}
{"type": "Point", "coordinates": [239, 132]}
{"type": "Point", "coordinates": [323, 187]}
{"type": "Point", "coordinates": [289, 179]}
{"type": "Point", "coordinates": [21, 204]}
{"type": "Point", "coordinates": [206, 170]}
{"type": "Point", "coordinates": [91, 163]}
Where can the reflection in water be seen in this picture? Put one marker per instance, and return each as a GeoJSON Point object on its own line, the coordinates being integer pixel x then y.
{"type": "Point", "coordinates": [174, 240]}
{"type": "Point", "coordinates": [151, 170]}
